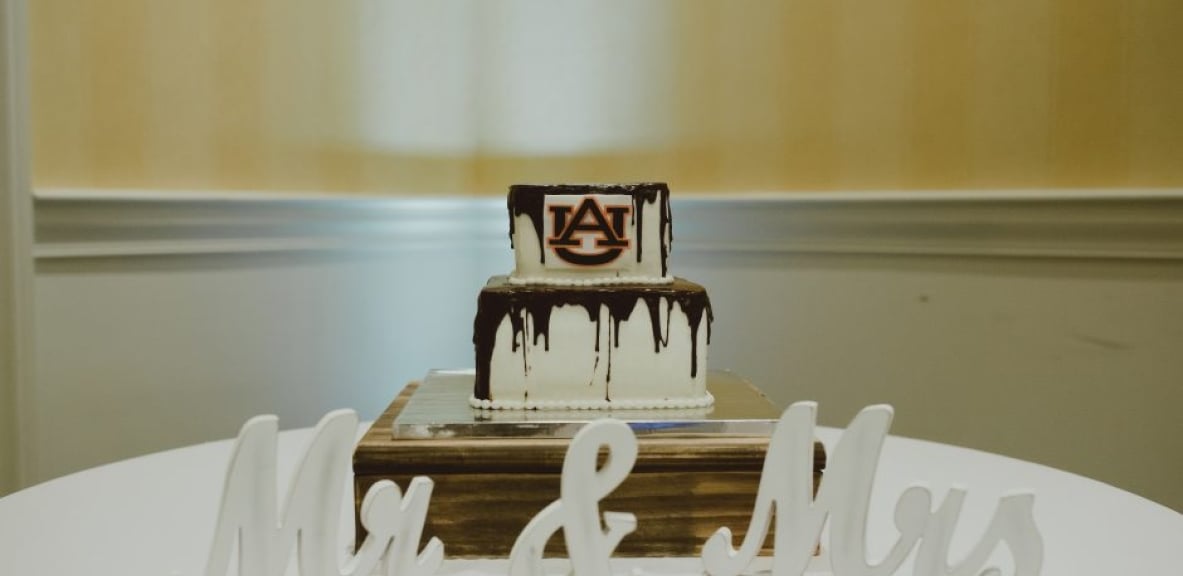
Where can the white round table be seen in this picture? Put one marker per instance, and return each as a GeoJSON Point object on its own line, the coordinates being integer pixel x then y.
{"type": "Point", "coordinates": [124, 519]}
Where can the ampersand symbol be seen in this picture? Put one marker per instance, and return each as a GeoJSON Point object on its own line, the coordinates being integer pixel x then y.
{"type": "Point", "coordinates": [577, 511]}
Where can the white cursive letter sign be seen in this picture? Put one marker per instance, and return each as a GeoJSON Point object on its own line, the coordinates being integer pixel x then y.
{"type": "Point", "coordinates": [312, 510]}
{"type": "Point", "coordinates": [844, 497]}
{"type": "Point", "coordinates": [577, 510]}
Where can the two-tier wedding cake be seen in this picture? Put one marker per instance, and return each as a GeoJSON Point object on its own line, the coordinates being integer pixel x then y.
{"type": "Point", "coordinates": [590, 318]}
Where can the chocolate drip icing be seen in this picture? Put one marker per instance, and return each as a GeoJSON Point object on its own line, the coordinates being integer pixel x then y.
{"type": "Point", "coordinates": [661, 339]}
{"type": "Point", "coordinates": [694, 315]}
{"type": "Point", "coordinates": [608, 375]}
{"type": "Point", "coordinates": [519, 338]}
{"type": "Point", "coordinates": [521, 200]}
{"type": "Point", "coordinates": [542, 326]}
{"type": "Point", "coordinates": [499, 300]}
{"type": "Point", "coordinates": [650, 194]}
{"type": "Point", "coordinates": [667, 231]}
{"type": "Point", "coordinates": [636, 219]}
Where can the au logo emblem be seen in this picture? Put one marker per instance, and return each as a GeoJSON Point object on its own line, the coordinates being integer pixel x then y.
{"type": "Point", "coordinates": [588, 230]}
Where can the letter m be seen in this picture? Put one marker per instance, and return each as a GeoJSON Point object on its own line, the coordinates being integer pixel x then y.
{"type": "Point", "coordinates": [248, 514]}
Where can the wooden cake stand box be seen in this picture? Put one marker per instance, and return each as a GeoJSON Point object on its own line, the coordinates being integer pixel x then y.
{"type": "Point", "coordinates": [686, 483]}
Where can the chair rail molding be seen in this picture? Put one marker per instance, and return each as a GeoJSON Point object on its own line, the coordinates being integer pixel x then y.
{"type": "Point", "coordinates": [17, 390]}
{"type": "Point", "coordinates": [1143, 224]}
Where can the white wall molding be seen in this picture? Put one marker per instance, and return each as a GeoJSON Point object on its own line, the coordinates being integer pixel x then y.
{"type": "Point", "coordinates": [1123, 224]}
{"type": "Point", "coordinates": [113, 224]}
{"type": "Point", "coordinates": [17, 390]}
{"type": "Point", "coordinates": [1075, 224]}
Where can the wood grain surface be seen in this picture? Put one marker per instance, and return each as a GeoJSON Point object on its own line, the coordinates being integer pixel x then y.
{"type": "Point", "coordinates": [486, 490]}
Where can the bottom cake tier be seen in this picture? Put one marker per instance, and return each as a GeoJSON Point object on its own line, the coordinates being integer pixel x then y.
{"type": "Point", "coordinates": [594, 347]}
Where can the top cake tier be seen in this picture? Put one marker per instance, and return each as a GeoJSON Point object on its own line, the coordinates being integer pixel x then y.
{"type": "Point", "coordinates": [568, 234]}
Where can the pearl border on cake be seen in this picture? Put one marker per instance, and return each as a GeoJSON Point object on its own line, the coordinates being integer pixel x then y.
{"type": "Point", "coordinates": [602, 281]}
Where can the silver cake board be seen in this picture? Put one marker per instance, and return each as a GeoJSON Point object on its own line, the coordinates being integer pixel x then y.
{"type": "Point", "coordinates": [439, 408]}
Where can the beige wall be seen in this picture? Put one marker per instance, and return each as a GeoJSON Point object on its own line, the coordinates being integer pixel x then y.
{"type": "Point", "coordinates": [813, 94]}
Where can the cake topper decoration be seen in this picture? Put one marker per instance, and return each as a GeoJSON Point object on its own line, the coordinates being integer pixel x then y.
{"type": "Point", "coordinates": [310, 517]}
{"type": "Point", "coordinates": [587, 230]}
{"type": "Point", "coordinates": [577, 511]}
{"type": "Point", "coordinates": [248, 516]}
